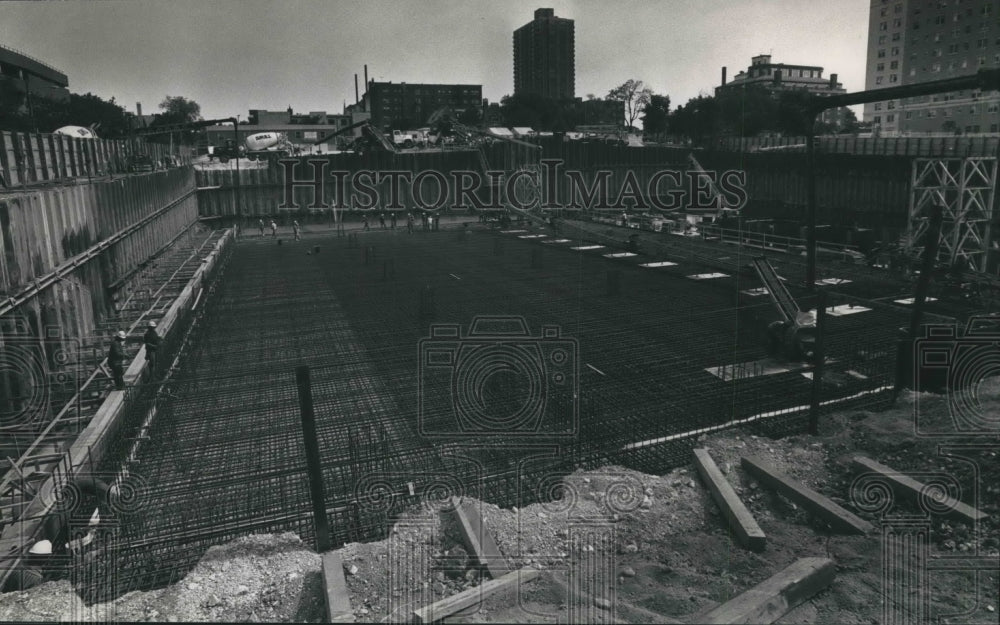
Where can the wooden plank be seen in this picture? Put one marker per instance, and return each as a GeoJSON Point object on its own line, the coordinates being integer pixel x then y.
{"type": "Point", "coordinates": [338, 600]}
{"type": "Point", "coordinates": [909, 488]}
{"type": "Point", "coordinates": [740, 519]}
{"type": "Point", "coordinates": [838, 518]}
{"type": "Point", "coordinates": [478, 540]}
{"type": "Point", "coordinates": [774, 597]}
{"type": "Point", "coordinates": [473, 596]}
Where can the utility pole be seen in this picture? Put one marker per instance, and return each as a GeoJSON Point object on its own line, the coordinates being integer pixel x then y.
{"type": "Point", "coordinates": [236, 147]}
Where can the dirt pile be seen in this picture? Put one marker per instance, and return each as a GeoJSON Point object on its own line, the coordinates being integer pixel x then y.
{"type": "Point", "coordinates": [616, 545]}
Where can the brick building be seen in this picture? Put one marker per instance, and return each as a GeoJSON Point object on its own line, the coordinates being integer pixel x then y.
{"type": "Point", "coordinates": [405, 106]}
{"type": "Point", "coordinates": [914, 41]}
{"type": "Point", "coordinates": [544, 61]}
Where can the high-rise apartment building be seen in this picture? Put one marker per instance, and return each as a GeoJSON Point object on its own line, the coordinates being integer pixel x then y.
{"type": "Point", "coordinates": [543, 57]}
{"type": "Point", "coordinates": [915, 41]}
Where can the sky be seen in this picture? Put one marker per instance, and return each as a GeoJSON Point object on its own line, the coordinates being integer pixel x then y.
{"type": "Point", "coordinates": [230, 56]}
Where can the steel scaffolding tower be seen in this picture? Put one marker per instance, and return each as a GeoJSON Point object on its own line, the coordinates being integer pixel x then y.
{"type": "Point", "coordinates": [965, 188]}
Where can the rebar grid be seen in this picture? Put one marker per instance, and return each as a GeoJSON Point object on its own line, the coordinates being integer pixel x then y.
{"type": "Point", "coordinates": [81, 384]}
{"type": "Point", "coordinates": [224, 456]}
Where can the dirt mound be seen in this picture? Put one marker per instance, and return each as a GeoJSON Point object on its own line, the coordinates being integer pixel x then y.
{"type": "Point", "coordinates": [616, 545]}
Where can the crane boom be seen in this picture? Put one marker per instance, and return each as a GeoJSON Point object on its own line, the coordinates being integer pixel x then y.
{"type": "Point", "coordinates": [367, 129]}
{"type": "Point", "coordinates": [162, 130]}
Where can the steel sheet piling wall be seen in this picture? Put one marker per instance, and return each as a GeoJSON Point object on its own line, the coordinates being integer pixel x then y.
{"type": "Point", "coordinates": [44, 229]}
{"type": "Point", "coordinates": [29, 159]}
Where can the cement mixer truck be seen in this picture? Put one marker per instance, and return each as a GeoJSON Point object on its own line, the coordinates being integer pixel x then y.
{"type": "Point", "coordinates": [260, 145]}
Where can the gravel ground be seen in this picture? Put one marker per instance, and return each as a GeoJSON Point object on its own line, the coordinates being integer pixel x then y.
{"type": "Point", "coordinates": [618, 546]}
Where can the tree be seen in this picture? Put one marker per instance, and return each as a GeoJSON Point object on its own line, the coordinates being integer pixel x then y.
{"type": "Point", "coordinates": [179, 110]}
{"type": "Point", "coordinates": [176, 110]}
{"type": "Point", "coordinates": [792, 118]}
{"type": "Point", "coordinates": [47, 115]}
{"type": "Point", "coordinates": [470, 117]}
{"type": "Point", "coordinates": [540, 113]}
{"type": "Point", "coordinates": [697, 120]}
{"type": "Point", "coordinates": [655, 114]}
{"type": "Point", "coordinates": [634, 95]}
{"type": "Point", "coordinates": [849, 122]}
{"type": "Point", "coordinates": [747, 111]}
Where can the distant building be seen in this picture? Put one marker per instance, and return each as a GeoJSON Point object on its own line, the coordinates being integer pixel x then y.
{"type": "Point", "coordinates": [782, 77]}
{"type": "Point", "coordinates": [778, 77]}
{"type": "Point", "coordinates": [405, 106]}
{"type": "Point", "coordinates": [544, 63]}
{"type": "Point", "coordinates": [300, 129]}
{"type": "Point", "coordinates": [23, 75]}
{"type": "Point", "coordinates": [915, 41]}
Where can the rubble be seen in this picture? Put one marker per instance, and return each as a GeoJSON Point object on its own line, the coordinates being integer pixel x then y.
{"type": "Point", "coordinates": [672, 557]}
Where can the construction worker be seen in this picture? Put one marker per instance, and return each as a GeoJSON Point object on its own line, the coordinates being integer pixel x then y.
{"type": "Point", "coordinates": [295, 227]}
{"type": "Point", "coordinates": [116, 360]}
{"type": "Point", "coordinates": [151, 340]}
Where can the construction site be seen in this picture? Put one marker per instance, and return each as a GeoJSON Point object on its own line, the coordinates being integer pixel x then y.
{"type": "Point", "coordinates": [524, 413]}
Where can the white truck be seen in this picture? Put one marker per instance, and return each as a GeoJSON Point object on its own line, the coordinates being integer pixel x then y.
{"type": "Point", "coordinates": [411, 138]}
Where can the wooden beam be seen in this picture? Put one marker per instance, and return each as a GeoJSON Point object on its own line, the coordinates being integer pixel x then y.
{"type": "Point", "coordinates": [908, 488]}
{"type": "Point", "coordinates": [473, 596]}
{"type": "Point", "coordinates": [838, 518]}
{"type": "Point", "coordinates": [740, 519]}
{"type": "Point", "coordinates": [338, 600]}
{"type": "Point", "coordinates": [478, 540]}
{"type": "Point", "coordinates": [774, 597]}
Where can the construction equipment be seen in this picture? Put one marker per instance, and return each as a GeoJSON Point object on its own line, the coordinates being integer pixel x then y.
{"type": "Point", "coordinates": [168, 128]}
{"type": "Point", "coordinates": [370, 137]}
{"type": "Point", "coordinates": [718, 199]}
{"type": "Point", "coordinates": [78, 132]}
{"type": "Point", "coordinates": [257, 146]}
{"type": "Point", "coordinates": [223, 153]}
{"type": "Point", "coordinates": [792, 335]}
